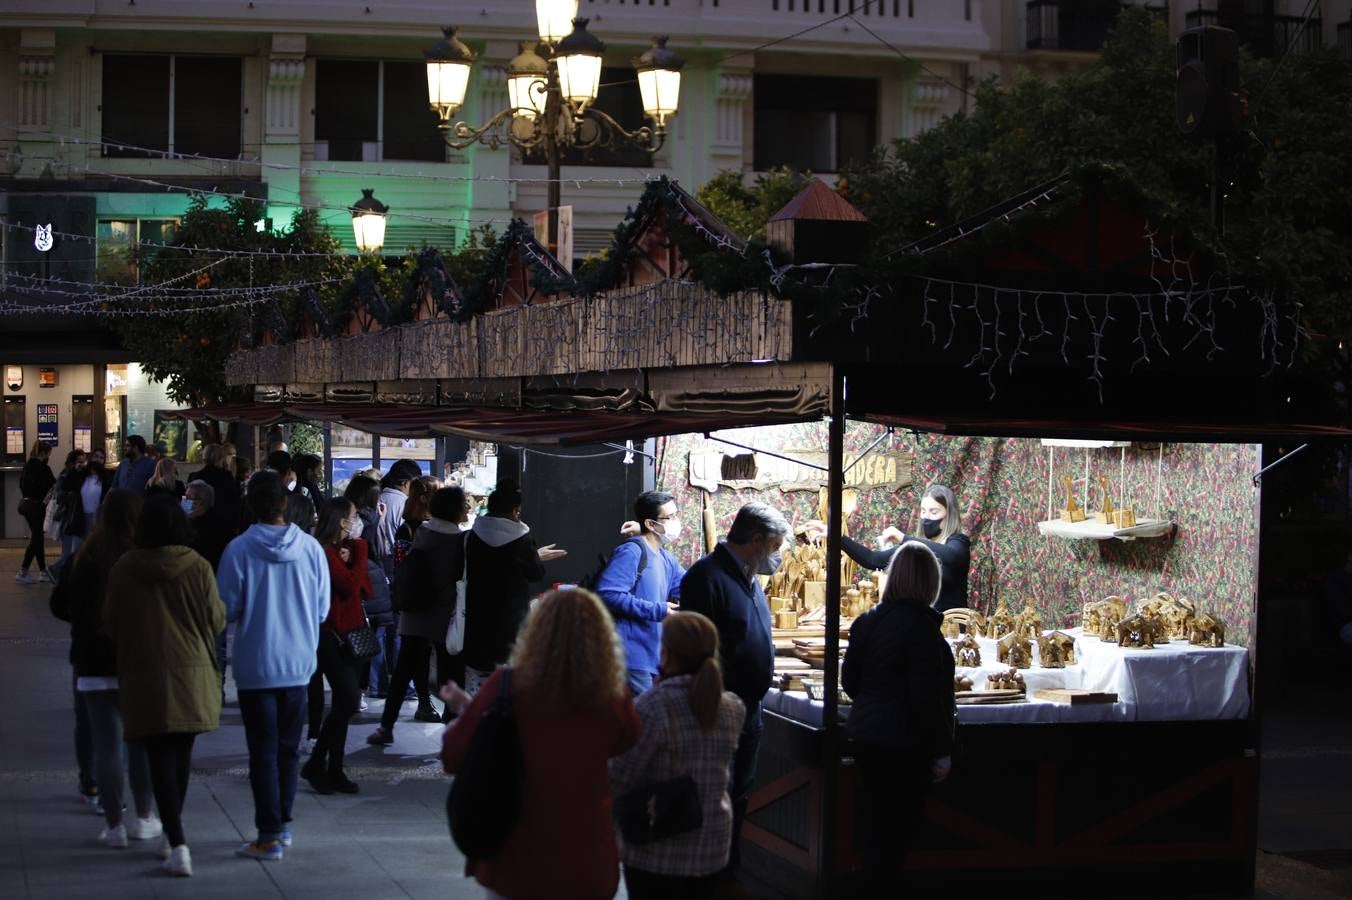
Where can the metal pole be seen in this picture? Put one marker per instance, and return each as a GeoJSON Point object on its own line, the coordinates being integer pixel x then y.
{"type": "Point", "coordinates": [554, 113]}
{"type": "Point", "coordinates": [831, 750]}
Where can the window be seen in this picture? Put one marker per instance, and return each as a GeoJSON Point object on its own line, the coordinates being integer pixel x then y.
{"type": "Point", "coordinates": [812, 123]}
{"type": "Point", "coordinates": [619, 98]}
{"type": "Point", "coordinates": [119, 254]}
{"type": "Point", "coordinates": [373, 111]}
{"type": "Point", "coordinates": [176, 104]}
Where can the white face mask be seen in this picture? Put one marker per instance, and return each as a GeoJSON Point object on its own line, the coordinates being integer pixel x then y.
{"type": "Point", "coordinates": [354, 530]}
{"type": "Point", "coordinates": [670, 530]}
{"type": "Point", "coordinates": [291, 485]}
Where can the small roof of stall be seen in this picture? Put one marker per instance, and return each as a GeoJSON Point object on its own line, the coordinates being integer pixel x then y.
{"type": "Point", "coordinates": [1090, 428]}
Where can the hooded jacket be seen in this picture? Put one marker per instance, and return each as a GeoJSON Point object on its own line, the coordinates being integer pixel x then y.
{"type": "Point", "coordinates": [274, 580]}
{"type": "Point", "coordinates": [444, 544]}
{"type": "Point", "coordinates": [501, 561]}
{"type": "Point", "coordinates": [163, 612]}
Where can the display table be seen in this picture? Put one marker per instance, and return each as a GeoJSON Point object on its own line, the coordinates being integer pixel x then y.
{"type": "Point", "coordinates": [1168, 682]}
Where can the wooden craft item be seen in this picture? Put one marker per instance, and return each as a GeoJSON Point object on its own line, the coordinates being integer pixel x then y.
{"type": "Point", "coordinates": [786, 618]}
{"type": "Point", "coordinates": [1073, 511]}
{"type": "Point", "coordinates": [1098, 615]}
{"type": "Point", "coordinates": [1124, 518]}
{"type": "Point", "coordinates": [960, 621]}
{"type": "Point", "coordinates": [814, 595]}
{"type": "Point", "coordinates": [1000, 623]}
{"type": "Point", "coordinates": [1074, 696]}
{"type": "Point", "coordinates": [1009, 680]}
{"type": "Point", "coordinates": [1055, 650]}
{"type": "Point", "coordinates": [961, 683]}
{"type": "Point", "coordinates": [1105, 515]}
{"type": "Point", "coordinates": [967, 652]}
{"type": "Point", "coordinates": [1207, 631]}
{"type": "Point", "coordinates": [1015, 650]}
{"type": "Point", "coordinates": [969, 698]}
{"type": "Point", "coordinates": [850, 605]}
{"type": "Point", "coordinates": [1028, 623]}
{"type": "Point", "coordinates": [1177, 614]}
{"type": "Point", "coordinates": [1136, 630]}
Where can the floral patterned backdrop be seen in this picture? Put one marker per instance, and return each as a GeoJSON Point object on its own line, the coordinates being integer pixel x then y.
{"type": "Point", "coordinates": [1002, 488]}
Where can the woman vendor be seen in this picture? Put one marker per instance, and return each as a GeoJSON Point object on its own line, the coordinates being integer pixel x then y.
{"type": "Point", "coordinates": [940, 530]}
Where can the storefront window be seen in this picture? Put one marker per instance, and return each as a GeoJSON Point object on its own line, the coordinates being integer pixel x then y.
{"type": "Point", "coordinates": [421, 450]}
{"type": "Point", "coordinates": [125, 245]}
{"type": "Point", "coordinates": [351, 453]}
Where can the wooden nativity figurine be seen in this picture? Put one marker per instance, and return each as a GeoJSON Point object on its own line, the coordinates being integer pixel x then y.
{"type": "Point", "coordinates": [967, 653]}
{"type": "Point", "coordinates": [1207, 631]}
{"type": "Point", "coordinates": [958, 622]}
{"type": "Point", "coordinates": [1100, 618]}
{"type": "Point", "coordinates": [1015, 650]}
{"type": "Point", "coordinates": [1056, 650]}
{"type": "Point", "coordinates": [1000, 623]}
{"type": "Point", "coordinates": [1029, 623]}
{"type": "Point", "coordinates": [1011, 680]}
{"type": "Point", "coordinates": [1137, 630]}
{"type": "Point", "coordinates": [961, 683]}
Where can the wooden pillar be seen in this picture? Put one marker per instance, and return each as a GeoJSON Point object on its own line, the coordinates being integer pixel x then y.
{"type": "Point", "coordinates": [834, 521]}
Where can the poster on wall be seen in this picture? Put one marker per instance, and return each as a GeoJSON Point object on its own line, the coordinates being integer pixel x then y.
{"type": "Point", "coordinates": [84, 438]}
{"type": "Point", "coordinates": [14, 441]}
{"type": "Point", "coordinates": [805, 470]}
{"type": "Point", "coordinates": [47, 428]}
{"type": "Point", "coordinates": [173, 433]}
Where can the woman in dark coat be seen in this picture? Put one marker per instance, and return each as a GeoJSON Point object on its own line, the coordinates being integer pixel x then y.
{"type": "Point", "coordinates": [899, 672]}
{"type": "Point", "coordinates": [37, 479]}
{"type": "Point", "coordinates": [82, 492]}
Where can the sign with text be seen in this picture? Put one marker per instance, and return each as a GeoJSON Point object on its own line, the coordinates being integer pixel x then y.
{"type": "Point", "coordinates": [47, 430]}
{"type": "Point", "coordinates": [883, 469]}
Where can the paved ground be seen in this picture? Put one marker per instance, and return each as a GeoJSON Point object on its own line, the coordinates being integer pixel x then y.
{"type": "Point", "coordinates": [390, 841]}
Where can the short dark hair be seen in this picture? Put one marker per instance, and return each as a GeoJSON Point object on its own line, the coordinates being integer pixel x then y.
{"type": "Point", "coordinates": [138, 442]}
{"type": "Point", "coordinates": [447, 503]}
{"type": "Point", "coordinates": [162, 523]}
{"type": "Point", "coordinates": [72, 456]}
{"type": "Point", "coordinates": [329, 528]}
{"type": "Point", "coordinates": [279, 461]}
{"type": "Point", "coordinates": [306, 464]}
{"type": "Point", "coordinates": [401, 472]}
{"type": "Point", "coordinates": [505, 498]}
{"type": "Point", "coordinates": [649, 506]}
{"type": "Point", "coordinates": [266, 495]}
{"type": "Point", "coordinates": [363, 491]}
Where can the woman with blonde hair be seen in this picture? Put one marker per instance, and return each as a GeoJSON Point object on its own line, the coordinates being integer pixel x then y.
{"type": "Point", "coordinates": [573, 711]}
{"type": "Point", "coordinates": [165, 480]}
{"type": "Point", "coordinates": [690, 726]}
{"type": "Point", "coordinates": [899, 672]}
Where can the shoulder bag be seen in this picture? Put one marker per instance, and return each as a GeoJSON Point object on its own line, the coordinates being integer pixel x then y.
{"type": "Point", "coordinates": [660, 810]}
{"type": "Point", "coordinates": [485, 800]}
{"type": "Point", "coordinates": [359, 644]}
{"type": "Point", "coordinates": [455, 630]}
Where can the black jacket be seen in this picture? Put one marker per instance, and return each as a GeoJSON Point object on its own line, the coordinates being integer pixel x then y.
{"type": "Point", "coordinates": [955, 558]}
{"type": "Point", "coordinates": [497, 595]}
{"type": "Point", "coordinates": [36, 480]}
{"type": "Point", "coordinates": [73, 517]}
{"type": "Point", "coordinates": [899, 672]}
{"type": "Point", "coordinates": [225, 493]}
{"type": "Point", "coordinates": [78, 598]}
{"type": "Point", "coordinates": [212, 533]}
{"type": "Point", "coordinates": [718, 587]}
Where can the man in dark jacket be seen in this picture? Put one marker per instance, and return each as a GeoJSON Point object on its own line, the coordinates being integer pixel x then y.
{"type": "Point", "coordinates": [219, 473]}
{"type": "Point", "coordinates": [502, 561]}
{"type": "Point", "coordinates": [212, 533]}
{"type": "Point", "coordinates": [724, 587]}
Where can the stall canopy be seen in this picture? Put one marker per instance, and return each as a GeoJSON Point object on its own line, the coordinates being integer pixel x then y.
{"type": "Point", "coordinates": [509, 426]}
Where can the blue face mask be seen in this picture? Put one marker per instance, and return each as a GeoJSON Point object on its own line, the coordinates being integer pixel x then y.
{"type": "Point", "coordinates": [187, 506]}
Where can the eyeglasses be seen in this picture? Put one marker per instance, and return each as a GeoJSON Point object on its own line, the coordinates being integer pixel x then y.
{"type": "Point", "coordinates": [666, 518]}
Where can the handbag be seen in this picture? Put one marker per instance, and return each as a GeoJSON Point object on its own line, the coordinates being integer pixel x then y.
{"type": "Point", "coordinates": [455, 629]}
{"type": "Point", "coordinates": [660, 810]}
{"type": "Point", "coordinates": [52, 518]}
{"type": "Point", "coordinates": [359, 644]}
{"type": "Point", "coordinates": [485, 801]}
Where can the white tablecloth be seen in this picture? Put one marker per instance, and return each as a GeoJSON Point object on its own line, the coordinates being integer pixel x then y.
{"type": "Point", "coordinates": [1167, 682]}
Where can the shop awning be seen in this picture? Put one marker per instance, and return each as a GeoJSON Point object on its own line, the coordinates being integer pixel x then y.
{"type": "Point", "coordinates": [1204, 432]}
{"type": "Point", "coordinates": [498, 425]}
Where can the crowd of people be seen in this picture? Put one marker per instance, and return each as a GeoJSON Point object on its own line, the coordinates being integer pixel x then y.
{"type": "Point", "coordinates": [652, 683]}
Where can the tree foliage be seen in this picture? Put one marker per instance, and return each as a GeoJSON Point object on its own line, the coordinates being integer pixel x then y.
{"type": "Point", "coordinates": [746, 209]}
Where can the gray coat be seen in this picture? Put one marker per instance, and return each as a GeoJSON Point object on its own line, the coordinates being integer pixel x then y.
{"type": "Point", "coordinates": [444, 541]}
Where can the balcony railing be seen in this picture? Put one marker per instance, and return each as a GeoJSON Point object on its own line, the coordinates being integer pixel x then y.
{"type": "Point", "coordinates": [1265, 35]}
{"type": "Point", "coordinates": [1078, 24]}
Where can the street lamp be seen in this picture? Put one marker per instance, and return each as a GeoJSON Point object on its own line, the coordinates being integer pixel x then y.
{"type": "Point", "coordinates": [368, 222]}
{"type": "Point", "coordinates": [551, 95]}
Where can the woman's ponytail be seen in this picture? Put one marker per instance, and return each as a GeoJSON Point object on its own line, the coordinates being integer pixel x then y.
{"type": "Point", "coordinates": [706, 693]}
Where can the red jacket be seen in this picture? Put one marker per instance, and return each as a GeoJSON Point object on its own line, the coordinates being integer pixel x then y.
{"type": "Point", "coordinates": [349, 584]}
{"type": "Point", "coordinates": [565, 836]}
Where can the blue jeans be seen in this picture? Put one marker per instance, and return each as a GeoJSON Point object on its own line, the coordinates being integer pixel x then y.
{"type": "Point", "coordinates": [639, 680]}
{"type": "Point", "coordinates": [273, 719]}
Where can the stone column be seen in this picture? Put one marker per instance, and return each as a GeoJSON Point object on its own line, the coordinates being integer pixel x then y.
{"type": "Point", "coordinates": [282, 123]}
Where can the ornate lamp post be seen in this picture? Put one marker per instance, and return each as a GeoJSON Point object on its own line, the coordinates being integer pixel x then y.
{"type": "Point", "coordinates": [368, 222]}
{"type": "Point", "coordinates": [551, 95]}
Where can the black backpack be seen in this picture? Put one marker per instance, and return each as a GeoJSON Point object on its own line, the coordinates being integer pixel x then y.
{"type": "Point", "coordinates": [603, 562]}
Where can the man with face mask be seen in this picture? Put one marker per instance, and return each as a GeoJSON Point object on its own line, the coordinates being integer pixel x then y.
{"type": "Point", "coordinates": [638, 582]}
{"type": "Point", "coordinates": [724, 587]}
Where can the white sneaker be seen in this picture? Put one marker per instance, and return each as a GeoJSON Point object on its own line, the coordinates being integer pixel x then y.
{"type": "Point", "coordinates": [43, 576]}
{"type": "Point", "coordinates": [145, 829]}
{"type": "Point", "coordinates": [115, 837]}
{"type": "Point", "coordinates": [179, 861]}
{"type": "Point", "coordinates": [363, 704]}
{"type": "Point", "coordinates": [307, 746]}
{"type": "Point", "coordinates": [24, 578]}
